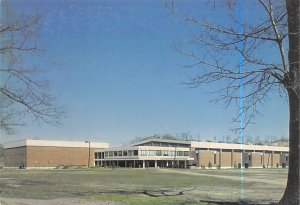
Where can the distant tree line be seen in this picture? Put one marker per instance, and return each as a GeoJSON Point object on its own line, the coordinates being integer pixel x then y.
{"type": "Point", "coordinates": [248, 139]}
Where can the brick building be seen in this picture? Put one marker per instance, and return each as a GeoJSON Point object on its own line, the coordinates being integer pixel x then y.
{"type": "Point", "coordinates": [177, 153]}
{"type": "Point", "coordinates": [46, 153]}
{"type": "Point", "coordinates": [147, 153]}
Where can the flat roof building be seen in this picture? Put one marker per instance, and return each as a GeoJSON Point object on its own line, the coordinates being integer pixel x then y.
{"type": "Point", "coordinates": [143, 154]}
{"type": "Point", "coordinates": [48, 153]}
{"type": "Point", "coordinates": [179, 153]}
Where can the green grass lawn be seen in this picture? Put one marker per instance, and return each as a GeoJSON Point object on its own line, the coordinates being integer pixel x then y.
{"type": "Point", "coordinates": [143, 186]}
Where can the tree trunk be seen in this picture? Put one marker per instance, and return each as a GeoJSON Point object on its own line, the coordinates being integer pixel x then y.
{"type": "Point", "coordinates": [292, 193]}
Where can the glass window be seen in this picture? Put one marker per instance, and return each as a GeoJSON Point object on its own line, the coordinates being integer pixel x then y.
{"type": "Point", "coordinates": [135, 152]}
{"type": "Point", "coordinates": [144, 152]}
{"type": "Point", "coordinates": [96, 155]}
{"type": "Point", "coordinates": [158, 152]}
{"type": "Point", "coordinates": [165, 153]}
{"type": "Point", "coordinates": [125, 153]}
{"type": "Point", "coordinates": [171, 153]}
{"type": "Point", "coordinates": [106, 154]}
{"type": "Point", "coordinates": [111, 153]}
{"type": "Point", "coordinates": [115, 153]}
{"type": "Point", "coordinates": [186, 153]}
{"type": "Point", "coordinates": [119, 153]}
{"type": "Point", "coordinates": [179, 153]}
{"type": "Point", "coordinates": [129, 152]}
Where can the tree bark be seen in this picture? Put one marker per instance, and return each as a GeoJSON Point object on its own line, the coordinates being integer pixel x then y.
{"type": "Point", "coordinates": [292, 193]}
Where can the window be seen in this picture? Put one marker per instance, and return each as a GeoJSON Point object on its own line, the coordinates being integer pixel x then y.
{"type": "Point", "coordinates": [106, 154]}
{"type": "Point", "coordinates": [144, 152]}
{"type": "Point", "coordinates": [135, 152]}
{"type": "Point", "coordinates": [186, 153]}
{"type": "Point", "coordinates": [165, 153]}
{"type": "Point", "coordinates": [111, 153]}
{"type": "Point", "coordinates": [119, 153]}
{"type": "Point", "coordinates": [249, 157]}
{"type": "Point", "coordinates": [158, 152]}
{"type": "Point", "coordinates": [171, 153]}
{"type": "Point", "coordinates": [96, 155]}
{"type": "Point", "coordinates": [115, 153]}
{"type": "Point", "coordinates": [125, 153]}
{"type": "Point", "coordinates": [129, 152]}
{"type": "Point", "coordinates": [180, 153]}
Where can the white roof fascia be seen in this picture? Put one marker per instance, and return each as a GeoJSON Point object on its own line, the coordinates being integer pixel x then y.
{"type": "Point", "coordinates": [52, 143]}
{"type": "Point", "coordinates": [213, 145]}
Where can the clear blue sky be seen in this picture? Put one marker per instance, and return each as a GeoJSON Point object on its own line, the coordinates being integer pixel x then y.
{"type": "Point", "coordinates": [121, 80]}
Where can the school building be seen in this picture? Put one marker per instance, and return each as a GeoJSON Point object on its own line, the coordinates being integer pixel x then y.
{"type": "Point", "coordinates": [192, 154]}
{"type": "Point", "coordinates": [147, 153]}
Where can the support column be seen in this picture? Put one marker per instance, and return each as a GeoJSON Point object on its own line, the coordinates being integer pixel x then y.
{"type": "Point", "coordinates": [143, 164]}
{"type": "Point", "coordinates": [272, 159]}
{"type": "Point", "coordinates": [263, 154]}
{"type": "Point", "coordinates": [220, 158]}
{"type": "Point", "coordinates": [185, 164]}
{"type": "Point", "coordinates": [125, 163]}
{"type": "Point", "coordinates": [232, 151]}
{"type": "Point", "coordinates": [133, 163]}
{"type": "Point", "coordinates": [155, 164]}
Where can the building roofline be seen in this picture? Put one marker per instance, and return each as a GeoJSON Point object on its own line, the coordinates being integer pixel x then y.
{"type": "Point", "coordinates": [215, 145]}
{"type": "Point", "coordinates": [160, 140]}
{"type": "Point", "coordinates": [53, 143]}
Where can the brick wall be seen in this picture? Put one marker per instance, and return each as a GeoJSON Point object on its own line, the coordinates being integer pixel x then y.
{"type": "Point", "coordinates": [15, 157]}
{"type": "Point", "coordinates": [256, 159]}
{"type": "Point", "coordinates": [54, 156]}
{"type": "Point", "coordinates": [226, 159]}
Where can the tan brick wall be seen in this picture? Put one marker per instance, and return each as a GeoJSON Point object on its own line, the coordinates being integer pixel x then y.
{"type": "Point", "coordinates": [237, 157]}
{"type": "Point", "coordinates": [15, 157]}
{"type": "Point", "coordinates": [54, 156]}
{"type": "Point", "coordinates": [205, 157]}
{"type": "Point", "coordinates": [256, 159]}
{"type": "Point", "coordinates": [276, 160]}
{"type": "Point", "coordinates": [226, 159]}
{"type": "Point", "coordinates": [267, 159]}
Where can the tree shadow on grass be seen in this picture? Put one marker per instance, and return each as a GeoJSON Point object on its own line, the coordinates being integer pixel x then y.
{"type": "Point", "coordinates": [211, 202]}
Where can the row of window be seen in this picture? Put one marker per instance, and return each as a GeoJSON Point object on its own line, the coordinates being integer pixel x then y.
{"type": "Point", "coordinates": [163, 153]}
{"type": "Point", "coordinates": [125, 153]}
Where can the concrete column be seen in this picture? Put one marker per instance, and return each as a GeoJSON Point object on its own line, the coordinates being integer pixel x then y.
{"type": "Point", "coordinates": [185, 164]}
{"type": "Point", "coordinates": [232, 151]}
{"type": "Point", "coordinates": [272, 159]}
{"type": "Point", "coordinates": [143, 164]}
{"type": "Point", "coordinates": [155, 164]}
{"type": "Point", "coordinates": [133, 163]}
{"type": "Point", "coordinates": [117, 163]}
{"type": "Point", "coordinates": [125, 163]}
{"type": "Point", "coordinates": [263, 154]}
{"type": "Point", "coordinates": [220, 158]}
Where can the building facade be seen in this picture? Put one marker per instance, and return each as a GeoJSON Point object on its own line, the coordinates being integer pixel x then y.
{"type": "Point", "coordinates": [49, 154]}
{"type": "Point", "coordinates": [148, 153]}
{"type": "Point", "coordinates": [183, 154]}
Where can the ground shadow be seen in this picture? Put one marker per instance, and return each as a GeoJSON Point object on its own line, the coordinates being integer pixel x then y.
{"type": "Point", "coordinates": [210, 202]}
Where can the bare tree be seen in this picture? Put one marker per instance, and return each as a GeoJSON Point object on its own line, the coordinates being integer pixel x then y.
{"type": "Point", "coordinates": [275, 31]}
{"type": "Point", "coordinates": [24, 94]}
